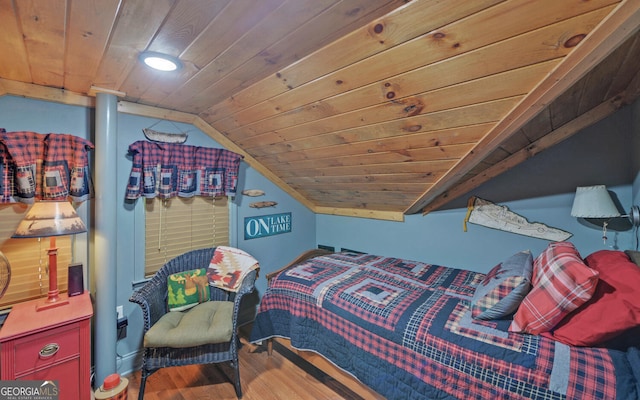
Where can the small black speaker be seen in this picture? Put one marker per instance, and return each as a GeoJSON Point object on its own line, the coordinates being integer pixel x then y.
{"type": "Point", "coordinates": [76, 280]}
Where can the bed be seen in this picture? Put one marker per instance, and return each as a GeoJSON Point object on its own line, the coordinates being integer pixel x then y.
{"type": "Point", "coordinates": [410, 329]}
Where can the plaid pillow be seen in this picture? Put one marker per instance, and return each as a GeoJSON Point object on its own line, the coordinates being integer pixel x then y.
{"type": "Point", "coordinates": [503, 288]}
{"type": "Point", "coordinates": [561, 283]}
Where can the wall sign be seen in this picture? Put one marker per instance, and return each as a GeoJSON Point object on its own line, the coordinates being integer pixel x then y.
{"type": "Point", "coordinates": [266, 225]}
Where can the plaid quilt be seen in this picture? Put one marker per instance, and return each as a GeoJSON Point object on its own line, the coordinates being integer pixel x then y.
{"type": "Point", "coordinates": [404, 328]}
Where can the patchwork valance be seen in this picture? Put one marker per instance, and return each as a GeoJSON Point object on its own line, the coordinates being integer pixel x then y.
{"type": "Point", "coordinates": [52, 166]}
{"type": "Point", "coordinates": [170, 169]}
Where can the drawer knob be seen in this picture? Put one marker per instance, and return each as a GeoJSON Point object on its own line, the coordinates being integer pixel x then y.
{"type": "Point", "coordinates": [49, 350]}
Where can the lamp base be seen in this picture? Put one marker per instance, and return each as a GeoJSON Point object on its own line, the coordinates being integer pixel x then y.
{"type": "Point", "coordinates": [52, 303]}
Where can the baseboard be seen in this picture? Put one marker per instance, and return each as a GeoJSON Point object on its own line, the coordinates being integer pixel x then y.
{"type": "Point", "coordinates": [129, 363]}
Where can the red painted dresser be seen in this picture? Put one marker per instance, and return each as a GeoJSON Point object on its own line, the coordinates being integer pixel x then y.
{"type": "Point", "coordinates": [52, 344]}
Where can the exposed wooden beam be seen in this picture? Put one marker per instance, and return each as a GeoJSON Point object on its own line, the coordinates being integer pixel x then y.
{"type": "Point", "coordinates": [155, 112]}
{"type": "Point", "coordinates": [618, 26]}
{"type": "Point", "coordinates": [30, 90]}
{"type": "Point", "coordinates": [94, 90]}
{"type": "Point", "coordinates": [361, 213]}
{"type": "Point", "coordinates": [556, 136]}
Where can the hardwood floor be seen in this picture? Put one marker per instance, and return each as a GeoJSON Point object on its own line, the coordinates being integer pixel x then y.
{"type": "Point", "coordinates": [283, 375]}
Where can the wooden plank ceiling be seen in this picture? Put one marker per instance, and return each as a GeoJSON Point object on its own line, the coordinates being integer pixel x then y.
{"type": "Point", "coordinates": [373, 108]}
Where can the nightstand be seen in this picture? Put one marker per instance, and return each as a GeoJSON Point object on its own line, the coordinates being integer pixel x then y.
{"type": "Point", "coordinates": [53, 344]}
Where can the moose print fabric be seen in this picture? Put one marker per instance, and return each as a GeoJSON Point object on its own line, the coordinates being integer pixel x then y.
{"type": "Point", "coordinates": [187, 289]}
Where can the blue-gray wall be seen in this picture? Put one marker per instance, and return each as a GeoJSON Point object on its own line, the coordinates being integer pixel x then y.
{"type": "Point", "coordinates": [437, 237]}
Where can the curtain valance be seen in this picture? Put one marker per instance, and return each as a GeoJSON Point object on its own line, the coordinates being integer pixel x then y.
{"type": "Point", "coordinates": [171, 169]}
{"type": "Point", "coordinates": [51, 166]}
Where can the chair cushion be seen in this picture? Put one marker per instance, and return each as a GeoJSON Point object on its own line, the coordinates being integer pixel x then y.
{"type": "Point", "coordinates": [209, 322]}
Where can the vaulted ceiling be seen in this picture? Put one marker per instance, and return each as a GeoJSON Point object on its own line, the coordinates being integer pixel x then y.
{"type": "Point", "coordinates": [373, 108]}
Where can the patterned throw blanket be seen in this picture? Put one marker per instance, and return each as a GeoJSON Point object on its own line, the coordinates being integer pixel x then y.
{"type": "Point", "coordinates": [404, 328]}
{"type": "Point", "coordinates": [229, 266]}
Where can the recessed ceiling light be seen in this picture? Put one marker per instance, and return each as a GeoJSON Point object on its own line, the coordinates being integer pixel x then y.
{"type": "Point", "coordinates": [159, 61]}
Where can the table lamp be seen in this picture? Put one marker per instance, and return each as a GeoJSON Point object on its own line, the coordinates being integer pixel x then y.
{"type": "Point", "coordinates": [50, 219]}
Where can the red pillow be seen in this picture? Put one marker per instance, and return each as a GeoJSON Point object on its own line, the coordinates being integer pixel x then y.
{"type": "Point", "coordinates": [614, 307]}
{"type": "Point", "coordinates": [561, 283]}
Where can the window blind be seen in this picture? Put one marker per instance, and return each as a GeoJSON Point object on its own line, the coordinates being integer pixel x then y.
{"type": "Point", "coordinates": [177, 225]}
{"type": "Point", "coordinates": [29, 259]}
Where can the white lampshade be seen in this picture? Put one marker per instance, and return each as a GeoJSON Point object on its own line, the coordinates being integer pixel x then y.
{"type": "Point", "coordinates": [593, 202]}
{"type": "Point", "coordinates": [50, 218]}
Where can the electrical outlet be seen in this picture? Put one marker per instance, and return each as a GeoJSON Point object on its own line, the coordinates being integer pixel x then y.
{"type": "Point", "coordinates": [122, 328]}
{"type": "Point", "coordinates": [120, 312]}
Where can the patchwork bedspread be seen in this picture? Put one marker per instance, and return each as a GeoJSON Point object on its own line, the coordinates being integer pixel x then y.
{"type": "Point", "coordinates": [404, 329]}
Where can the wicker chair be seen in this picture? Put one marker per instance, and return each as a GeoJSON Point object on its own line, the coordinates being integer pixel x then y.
{"type": "Point", "coordinates": [152, 298]}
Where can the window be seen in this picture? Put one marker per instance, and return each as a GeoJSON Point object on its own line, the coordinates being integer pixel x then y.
{"type": "Point", "coordinates": [29, 259]}
{"type": "Point", "coordinates": [177, 225]}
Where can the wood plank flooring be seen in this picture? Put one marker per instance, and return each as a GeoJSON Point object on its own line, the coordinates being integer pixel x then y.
{"type": "Point", "coordinates": [283, 375]}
